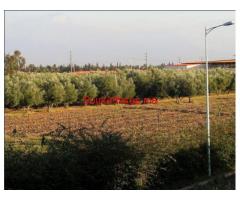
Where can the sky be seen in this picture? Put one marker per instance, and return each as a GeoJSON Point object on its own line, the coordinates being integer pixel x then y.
{"type": "Point", "coordinates": [104, 37]}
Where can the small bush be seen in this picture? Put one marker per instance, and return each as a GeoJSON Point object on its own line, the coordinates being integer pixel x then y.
{"type": "Point", "coordinates": [79, 160]}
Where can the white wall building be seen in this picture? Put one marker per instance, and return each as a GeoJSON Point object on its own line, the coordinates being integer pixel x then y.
{"type": "Point", "coordinates": [201, 64]}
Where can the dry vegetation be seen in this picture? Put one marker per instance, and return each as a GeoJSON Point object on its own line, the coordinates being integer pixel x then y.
{"type": "Point", "coordinates": [166, 116]}
{"type": "Point", "coordinates": [159, 146]}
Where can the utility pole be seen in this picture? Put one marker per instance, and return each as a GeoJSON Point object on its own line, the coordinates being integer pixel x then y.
{"type": "Point", "coordinates": [146, 57]}
{"type": "Point", "coordinates": [179, 60]}
{"type": "Point", "coordinates": [71, 61]}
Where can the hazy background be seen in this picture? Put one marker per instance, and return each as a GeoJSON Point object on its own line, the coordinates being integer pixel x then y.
{"type": "Point", "coordinates": [46, 37]}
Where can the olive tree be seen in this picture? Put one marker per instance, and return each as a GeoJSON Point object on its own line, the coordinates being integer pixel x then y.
{"type": "Point", "coordinates": [71, 94]}
{"type": "Point", "coordinates": [127, 86]}
{"type": "Point", "coordinates": [157, 84]}
{"type": "Point", "coordinates": [84, 87]}
{"type": "Point", "coordinates": [107, 86]}
{"type": "Point", "coordinates": [141, 81]}
{"type": "Point", "coordinates": [12, 92]}
{"type": "Point", "coordinates": [31, 94]}
{"type": "Point", "coordinates": [54, 93]}
{"type": "Point", "coordinates": [171, 86]}
{"type": "Point", "coordinates": [188, 88]}
{"type": "Point", "coordinates": [231, 85]}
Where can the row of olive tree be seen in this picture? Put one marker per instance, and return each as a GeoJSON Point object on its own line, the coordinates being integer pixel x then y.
{"type": "Point", "coordinates": [178, 84]}
{"type": "Point", "coordinates": [39, 89]}
{"type": "Point", "coordinates": [53, 89]}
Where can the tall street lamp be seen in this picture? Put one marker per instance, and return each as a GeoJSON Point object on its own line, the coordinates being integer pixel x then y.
{"type": "Point", "coordinates": [207, 31]}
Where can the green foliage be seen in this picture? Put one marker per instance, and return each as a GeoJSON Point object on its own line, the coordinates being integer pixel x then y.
{"type": "Point", "coordinates": [185, 86]}
{"type": "Point", "coordinates": [182, 168]}
{"type": "Point", "coordinates": [231, 86]}
{"type": "Point", "coordinates": [170, 85]}
{"type": "Point", "coordinates": [28, 89]}
{"type": "Point", "coordinates": [127, 86]}
{"type": "Point", "coordinates": [79, 160]}
{"type": "Point", "coordinates": [54, 93]}
{"type": "Point", "coordinates": [84, 88]}
{"type": "Point", "coordinates": [178, 168]}
{"type": "Point", "coordinates": [31, 94]}
{"type": "Point", "coordinates": [221, 80]}
{"type": "Point", "coordinates": [199, 82]}
{"type": "Point", "coordinates": [71, 94]}
{"type": "Point", "coordinates": [141, 81]}
{"type": "Point", "coordinates": [157, 86]}
{"type": "Point", "coordinates": [173, 165]}
{"type": "Point", "coordinates": [12, 92]}
{"type": "Point", "coordinates": [107, 86]}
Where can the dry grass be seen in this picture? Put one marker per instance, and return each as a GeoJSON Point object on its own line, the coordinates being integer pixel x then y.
{"type": "Point", "coordinates": [166, 116]}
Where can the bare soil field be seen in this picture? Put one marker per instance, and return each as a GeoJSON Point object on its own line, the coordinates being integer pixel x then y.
{"type": "Point", "coordinates": [167, 116]}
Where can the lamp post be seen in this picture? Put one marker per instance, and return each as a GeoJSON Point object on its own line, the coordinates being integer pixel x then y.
{"type": "Point", "coordinates": [207, 31]}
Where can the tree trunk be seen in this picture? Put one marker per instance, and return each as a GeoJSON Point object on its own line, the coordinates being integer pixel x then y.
{"type": "Point", "coordinates": [177, 100]}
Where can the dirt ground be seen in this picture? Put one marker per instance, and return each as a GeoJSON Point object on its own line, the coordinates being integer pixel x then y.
{"type": "Point", "coordinates": [166, 116]}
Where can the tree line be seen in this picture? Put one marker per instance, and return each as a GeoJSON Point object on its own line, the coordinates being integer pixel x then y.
{"type": "Point", "coordinates": [57, 89]}
{"type": "Point", "coordinates": [16, 62]}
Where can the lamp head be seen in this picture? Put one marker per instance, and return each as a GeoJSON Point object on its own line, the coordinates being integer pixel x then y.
{"type": "Point", "coordinates": [228, 23]}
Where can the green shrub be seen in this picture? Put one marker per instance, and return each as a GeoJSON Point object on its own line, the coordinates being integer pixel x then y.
{"type": "Point", "coordinates": [79, 160]}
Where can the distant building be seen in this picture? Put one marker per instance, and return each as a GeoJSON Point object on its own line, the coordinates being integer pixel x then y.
{"type": "Point", "coordinates": [183, 66]}
{"type": "Point", "coordinates": [201, 64]}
